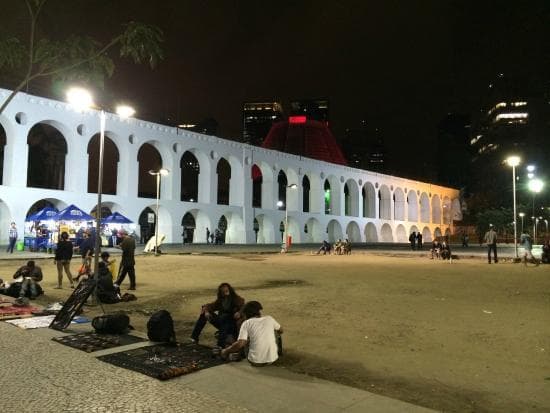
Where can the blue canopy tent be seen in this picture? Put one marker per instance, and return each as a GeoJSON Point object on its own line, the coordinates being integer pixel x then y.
{"type": "Point", "coordinates": [116, 218]}
{"type": "Point", "coordinates": [37, 237]}
{"type": "Point", "coordinates": [44, 214]}
{"type": "Point", "coordinates": [73, 213]}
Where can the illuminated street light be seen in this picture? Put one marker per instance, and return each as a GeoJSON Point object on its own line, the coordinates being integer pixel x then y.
{"type": "Point", "coordinates": [158, 174]}
{"type": "Point", "coordinates": [514, 161]}
{"type": "Point", "coordinates": [522, 215]}
{"type": "Point", "coordinates": [535, 186]}
{"type": "Point", "coordinates": [81, 99]}
{"type": "Point", "coordinates": [530, 168]}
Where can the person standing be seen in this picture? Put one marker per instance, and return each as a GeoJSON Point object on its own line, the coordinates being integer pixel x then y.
{"type": "Point", "coordinates": [63, 256]}
{"type": "Point", "coordinates": [412, 240]}
{"type": "Point", "coordinates": [419, 240]}
{"type": "Point", "coordinates": [87, 249]}
{"type": "Point", "coordinates": [527, 242]}
{"type": "Point", "coordinates": [12, 238]}
{"type": "Point", "coordinates": [491, 241]}
{"type": "Point", "coordinates": [127, 263]}
{"type": "Point", "coordinates": [207, 235]}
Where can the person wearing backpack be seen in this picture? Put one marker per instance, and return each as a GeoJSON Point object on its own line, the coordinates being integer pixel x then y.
{"type": "Point", "coordinates": [224, 313]}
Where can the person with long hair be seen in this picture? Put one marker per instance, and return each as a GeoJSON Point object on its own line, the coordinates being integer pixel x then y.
{"type": "Point", "coordinates": [63, 256]}
{"type": "Point", "coordinates": [224, 313]}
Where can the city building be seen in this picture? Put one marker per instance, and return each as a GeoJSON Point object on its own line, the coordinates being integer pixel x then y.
{"type": "Point", "coordinates": [312, 109]}
{"type": "Point", "coordinates": [258, 117]}
{"type": "Point", "coordinates": [363, 146]}
{"type": "Point", "coordinates": [312, 200]}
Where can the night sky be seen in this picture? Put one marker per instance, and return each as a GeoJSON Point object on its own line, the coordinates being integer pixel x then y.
{"type": "Point", "coordinates": [401, 65]}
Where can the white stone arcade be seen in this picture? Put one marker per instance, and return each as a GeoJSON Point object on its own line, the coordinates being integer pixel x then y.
{"type": "Point", "coordinates": [210, 180]}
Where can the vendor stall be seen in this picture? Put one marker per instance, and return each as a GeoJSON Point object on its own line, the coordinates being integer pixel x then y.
{"type": "Point", "coordinates": [74, 221]}
{"type": "Point", "coordinates": [112, 226]}
{"type": "Point", "coordinates": [39, 228]}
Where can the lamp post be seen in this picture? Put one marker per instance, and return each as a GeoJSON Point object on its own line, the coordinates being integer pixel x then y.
{"type": "Point", "coordinates": [521, 215]}
{"type": "Point", "coordinates": [535, 186]}
{"type": "Point", "coordinates": [158, 174]}
{"type": "Point", "coordinates": [280, 204]}
{"type": "Point", "coordinates": [81, 99]}
{"type": "Point", "coordinates": [514, 161]}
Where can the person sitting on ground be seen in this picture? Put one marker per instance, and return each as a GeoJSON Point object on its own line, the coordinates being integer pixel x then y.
{"type": "Point", "coordinates": [30, 275]}
{"type": "Point", "coordinates": [347, 247]}
{"type": "Point", "coordinates": [259, 332]}
{"type": "Point", "coordinates": [106, 291]}
{"type": "Point", "coordinates": [545, 257]}
{"type": "Point", "coordinates": [338, 247]}
{"type": "Point", "coordinates": [445, 251]}
{"type": "Point", "coordinates": [110, 263]}
{"type": "Point", "coordinates": [223, 313]}
{"type": "Point", "coordinates": [436, 249]}
{"type": "Point", "coordinates": [325, 248]}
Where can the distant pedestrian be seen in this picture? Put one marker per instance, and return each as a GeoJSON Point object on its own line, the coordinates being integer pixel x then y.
{"type": "Point", "coordinates": [491, 241]}
{"type": "Point", "coordinates": [211, 237]}
{"type": "Point", "coordinates": [465, 240]}
{"type": "Point", "coordinates": [207, 235]}
{"type": "Point", "coordinates": [419, 240]}
{"type": "Point", "coordinates": [12, 238]}
{"type": "Point", "coordinates": [184, 235]}
{"type": "Point", "coordinates": [527, 242]}
{"type": "Point", "coordinates": [412, 240]}
{"type": "Point", "coordinates": [63, 256]}
{"type": "Point", "coordinates": [127, 262]}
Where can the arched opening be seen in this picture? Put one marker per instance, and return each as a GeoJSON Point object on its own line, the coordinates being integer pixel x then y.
{"type": "Point", "coordinates": [188, 228]}
{"type": "Point", "coordinates": [436, 210]}
{"type": "Point", "coordinates": [190, 170]}
{"type": "Point", "coordinates": [149, 159]}
{"type": "Point", "coordinates": [347, 203]}
{"type": "Point", "coordinates": [437, 233]}
{"type": "Point", "coordinates": [257, 181]}
{"type": "Point", "coordinates": [46, 160]}
{"type": "Point", "coordinates": [110, 165]}
{"type": "Point", "coordinates": [306, 193]}
{"type": "Point", "coordinates": [426, 235]}
{"type": "Point", "coordinates": [412, 205]}
{"type": "Point", "coordinates": [328, 197]}
{"type": "Point", "coordinates": [334, 230]}
{"type": "Point", "coordinates": [398, 205]}
{"type": "Point", "coordinates": [371, 235]}
{"type": "Point", "coordinates": [424, 209]}
{"type": "Point", "coordinates": [384, 206]}
{"type": "Point", "coordinates": [282, 183]}
{"type": "Point", "coordinates": [369, 201]}
{"type": "Point", "coordinates": [447, 212]}
{"type": "Point", "coordinates": [105, 211]}
{"type": "Point", "coordinates": [2, 144]}
{"type": "Point", "coordinates": [315, 231]}
{"type": "Point", "coordinates": [223, 171]}
{"type": "Point", "coordinates": [5, 219]}
{"type": "Point", "coordinates": [146, 223]}
{"type": "Point", "coordinates": [353, 232]}
{"type": "Point", "coordinates": [351, 198]}
{"type": "Point", "coordinates": [386, 233]}
{"type": "Point", "coordinates": [401, 233]}
{"type": "Point", "coordinates": [265, 230]}
{"type": "Point", "coordinates": [220, 231]}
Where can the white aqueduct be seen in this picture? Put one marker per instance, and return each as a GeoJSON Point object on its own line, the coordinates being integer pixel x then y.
{"type": "Point", "coordinates": [210, 183]}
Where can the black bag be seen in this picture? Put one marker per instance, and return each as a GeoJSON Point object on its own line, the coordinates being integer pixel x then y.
{"type": "Point", "coordinates": [160, 327]}
{"type": "Point", "coordinates": [111, 323]}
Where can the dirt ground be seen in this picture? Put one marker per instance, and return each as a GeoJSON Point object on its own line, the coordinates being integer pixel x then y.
{"type": "Point", "coordinates": [457, 337]}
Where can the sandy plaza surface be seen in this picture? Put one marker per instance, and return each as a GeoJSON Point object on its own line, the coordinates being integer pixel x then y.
{"type": "Point", "coordinates": [465, 336]}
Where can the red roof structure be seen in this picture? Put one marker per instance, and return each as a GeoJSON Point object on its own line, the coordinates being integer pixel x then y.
{"type": "Point", "coordinates": [309, 138]}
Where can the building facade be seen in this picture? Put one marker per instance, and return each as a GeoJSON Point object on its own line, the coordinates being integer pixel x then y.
{"type": "Point", "coordinates": [329, 201]}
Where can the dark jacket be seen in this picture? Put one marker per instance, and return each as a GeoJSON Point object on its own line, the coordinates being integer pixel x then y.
{"type": "Point", "coordinates": [35, 273]}
{"type": "Point", "coordinates": [87, 247]}
{"type": "Point", "coordinates": [128, 246]}
{"type": "Point", "coordinates": [236, 305]}
{"type": "Point", "coordinates": [64, 251]}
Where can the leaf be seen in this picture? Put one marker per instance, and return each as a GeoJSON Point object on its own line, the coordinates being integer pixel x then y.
{"type": "Point", "coordinates": [141, 43]}
{"type": "Point", "coordinates": [12, 53]}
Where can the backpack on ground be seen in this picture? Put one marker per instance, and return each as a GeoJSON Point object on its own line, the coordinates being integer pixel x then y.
{"type": "Point", "coordinates": [160, 327]}
{"type": "Point", "coordinates": [111, 323]}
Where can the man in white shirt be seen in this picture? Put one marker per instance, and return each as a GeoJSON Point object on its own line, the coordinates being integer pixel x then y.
{"type": "Point", "coordinates": [259, 333]}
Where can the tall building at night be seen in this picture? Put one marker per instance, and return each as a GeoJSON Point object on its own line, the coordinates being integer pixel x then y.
{"type": "Point", "coordinates": [312, 109]}
{"type": "Point", "coordinates": [364, 147]}
{"type": "Point", "coordinates": [258, 117]}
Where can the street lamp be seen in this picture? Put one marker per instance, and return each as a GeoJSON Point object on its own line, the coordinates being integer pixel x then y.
{"type": "Point", "coordinates": [280, 204]}
{"type": "Point", "coordinates": [514, 161]}
{"type": "Point", "coordinates": [521, 215]}
{"type": "Point", "coordinates": [81, 99]}
{"type": "Point", "coordinates": [535, 186]}
{"type": "Point", "coordinates": [158, 174]}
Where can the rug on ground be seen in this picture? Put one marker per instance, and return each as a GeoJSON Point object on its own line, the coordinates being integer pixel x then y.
{"type": "Point", "coordinates": [90, 342]}
{"type": "Point", "coordinates": [164, 361]}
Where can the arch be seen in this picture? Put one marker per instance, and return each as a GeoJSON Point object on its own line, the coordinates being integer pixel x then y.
{"type": "Point", "coordinates": [437, 233]}
{"type": "Point", "coordinates": [257, 180]}
{"type": "Point", "coordinates": [46, 202]}
{"type": "Point", "coordinates": [448, 233]}
{"type": "Point", "coordinates": [306, 188]}
{"type": "Point", "coordinates": [3, 140]}
{"type": "Point", "coordinates": [413, 228]}
{"type": "Point", "coordinates": [353, 232]}
{"type": "Point", "coordinates": [223, 172]}
{"type": "Point", "coordinates": [316, 196]}
{"type": "Point", "coordinates": [282, 183]}
{"type": "Point", "coordinates": [190, 171]}
{"type": "Point", "coordinates": [436, 210]}
{"type": "Point", "coordinates": [447, 213]}
{"type": "Point", "coordinates": [47, 150]}
{"type": "Point", "coordinates": [332, 195]}
{"type": "Point", "coordinates": [149, 158]}
{"type": "Point", "coordinates": [110, 165]}
{"type": "Point", "coordinates": [424, 209]}
{"type": "Point", "coordinates": [334, 230]}
{"type": "Point", "coordinates": [294, 230]}
{"type": "Point", "coordinates": [456, 210]}
{"type": "Point", "coordinates": [386, 233]}
{"type": "Point", "coordinates": [164, 223]}
{"type": "Point", "coordinates": [188, 225]}
{"type": "Point", "coordinates": [384, 199]}
{"type": "Point", "coordinates": [371, 235]}
{"type": "Point", "coordinates": [315, 232]}
{"type": "Point", "coordinates": [234, 230]}
{"type": "Point", "coordinates": [146, 222]}
{"type": "Point", "coordinates": [105, 211]}
{"type": "Point", "coordinates": [369, 200]}
{"type": "Point", "coordinates": [266, 230]}
{"type": "Point", "coordinates": [398, 205]}
{"type": "Point", "coordinates": [401, 233]}
{"type": "Point", "coordinates": [351, 198]}
{"type": "Point", "coordinates": [426, 235]}
{"type": "Point", "coordinates": [412, 206]}
{"type": "Point", "coordinates": [267, 189]}
{"type": "Point", "coordinates": [202, 223]}
{"type": "Point", "coordinates": [5, 219]}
